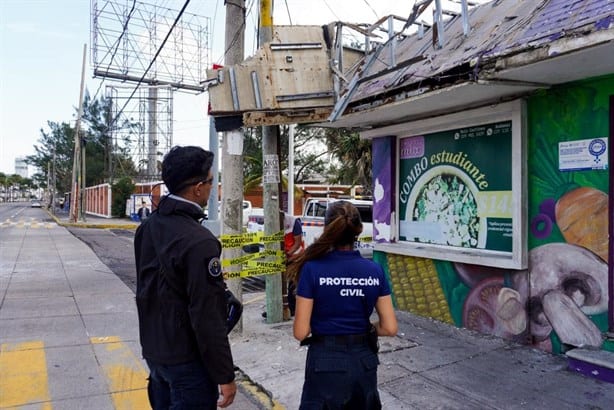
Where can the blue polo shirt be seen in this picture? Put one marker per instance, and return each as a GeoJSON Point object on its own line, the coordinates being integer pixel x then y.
{"type": "Point", "coordinates": [344, 287]}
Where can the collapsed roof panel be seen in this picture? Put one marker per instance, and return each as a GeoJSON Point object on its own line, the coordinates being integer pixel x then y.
{"type": "Point", "coordinates": [497, 29]}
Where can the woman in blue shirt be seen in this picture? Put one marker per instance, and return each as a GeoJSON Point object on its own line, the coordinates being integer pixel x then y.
{"type": "Point", "coordinates": [336, 294]}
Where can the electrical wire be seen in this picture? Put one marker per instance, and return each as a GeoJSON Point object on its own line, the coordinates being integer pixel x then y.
{"type": "Point", "coordinates": [331, 10]}
{"type": "Point", "coordinates": [373, 10]}
{"type": "Point", "coordinates": [288, 9]}
{"type": "Point", "coordinates": [151, 63]}
{"type": "Point", "coordinates": [237, 33]}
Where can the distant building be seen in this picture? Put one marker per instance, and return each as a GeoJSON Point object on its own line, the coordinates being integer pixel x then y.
{"type": "Point", "coordinates": [21, 167]}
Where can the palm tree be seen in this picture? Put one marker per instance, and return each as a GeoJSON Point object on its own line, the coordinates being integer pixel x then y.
{"type": "Point", "coordinates": [353, 156]}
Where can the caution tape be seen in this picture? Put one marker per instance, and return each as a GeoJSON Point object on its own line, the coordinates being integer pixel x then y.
{"type": "Point", "coordinates": [279, 265]}
{"type": "Point", "coordinates": [245, 273]}
{"type": "Point", "coordinates": [250, 264]}
{"type": "Point", "coordinates": [240, 240]}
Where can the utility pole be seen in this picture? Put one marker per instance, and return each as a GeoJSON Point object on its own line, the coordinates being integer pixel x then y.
{"type": "Point", "coordinates": [232, 147]}
{"type": "Point", "coordinates": [75, 204]}
{"type": "Point", "coordinates": [83, 182]}
{"type": "Point", "coordinates": [270, 180]}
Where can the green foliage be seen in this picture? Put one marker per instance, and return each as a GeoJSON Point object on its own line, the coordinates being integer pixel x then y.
{"type": "Point", "coordinates": [353, 156]}
{"type": "Point", "coordinates": [121, 192]}
{"type": "Point", "coordinates": [104, 158]}
{"type": "Point", "coordinates": [309, 154]}
{"type": "Point", "coordinates": [338, 155]}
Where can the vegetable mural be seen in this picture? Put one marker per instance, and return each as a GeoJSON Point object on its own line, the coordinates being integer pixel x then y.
{"type": "Point", "coordinates": [562, 297]}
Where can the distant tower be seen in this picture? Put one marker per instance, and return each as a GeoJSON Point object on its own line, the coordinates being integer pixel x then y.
{"type": "Point", "coordinates": [21, 167]}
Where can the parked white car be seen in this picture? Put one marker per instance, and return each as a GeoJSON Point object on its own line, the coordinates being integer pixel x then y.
{"type": "Point", "coordinates": [312, 222]}
{"type": "Point", "coordinates": [247, 211]}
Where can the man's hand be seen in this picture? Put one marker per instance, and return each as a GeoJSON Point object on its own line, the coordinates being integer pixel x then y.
{"type": "Point", "coordinates": [228, 392]}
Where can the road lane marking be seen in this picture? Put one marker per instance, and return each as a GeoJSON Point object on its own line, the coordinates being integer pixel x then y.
{"type": "Point", "coordinates": [24, 224]}
{"type": "Point", "coordinates": [23, 375]}
{"type": "Point", "coordinates": [125, 373]}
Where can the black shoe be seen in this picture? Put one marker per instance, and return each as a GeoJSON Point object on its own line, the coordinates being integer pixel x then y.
{"type": "Point", "coordinates": [264, 315]}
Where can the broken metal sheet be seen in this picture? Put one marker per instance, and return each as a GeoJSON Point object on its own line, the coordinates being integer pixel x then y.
{"type": "Point", "coordinates": [305, 116]}
{"type": "Point", "coordinates": [498, 28]}
{"type": "Point", "coordinates": [443, 101]}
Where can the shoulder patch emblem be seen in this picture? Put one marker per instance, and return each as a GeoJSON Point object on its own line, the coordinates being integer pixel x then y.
{"type": "Point", "coordinates": [215, 267]}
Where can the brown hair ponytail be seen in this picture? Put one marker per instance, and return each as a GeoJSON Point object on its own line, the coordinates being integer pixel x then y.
{"type": "Point", "coordinates": [342, 225]}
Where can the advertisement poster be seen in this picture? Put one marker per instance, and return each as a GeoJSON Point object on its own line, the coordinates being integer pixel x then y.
{"type": "Point", "coordinates": [455, 187]}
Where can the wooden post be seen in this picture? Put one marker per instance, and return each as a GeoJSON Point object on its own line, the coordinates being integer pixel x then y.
{"type": "Point", "coordinates": [75, 204]}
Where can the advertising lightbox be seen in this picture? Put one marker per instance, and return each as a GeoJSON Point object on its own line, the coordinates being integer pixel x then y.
{"type": "Point", "coordinates": [461, 188]}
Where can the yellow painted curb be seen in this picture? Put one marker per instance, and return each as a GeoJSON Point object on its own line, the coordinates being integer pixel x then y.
{"type": "Point", "coordinates": [257, 393]}
{"type": "Point", "coordinates": [91, 225]}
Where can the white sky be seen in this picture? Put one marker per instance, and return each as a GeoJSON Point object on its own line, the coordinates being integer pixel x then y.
{"type": "Point", "coordinates": [41, 46]}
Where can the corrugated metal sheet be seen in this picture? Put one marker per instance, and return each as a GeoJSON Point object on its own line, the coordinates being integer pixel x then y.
{"type": "Point", "coordinates": [498, 28]}
{"type": "Point", "coordinates": [559, 16]}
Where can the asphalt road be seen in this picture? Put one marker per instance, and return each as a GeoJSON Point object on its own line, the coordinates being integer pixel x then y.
{"type": "Point", "coordinates": [115, 249]}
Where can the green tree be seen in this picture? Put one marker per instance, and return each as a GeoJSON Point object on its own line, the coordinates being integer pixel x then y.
{"type": "Point", "coordinates": [13, 186]}
{"type": "Point", "coordinates": [309, 154]}
{"type": "Point", "coordinates": [55, 149]}
{"type": "Point", "coordinates": [109, 158]}
{"type": "Point", "coordinates": [353, 157]}
{"type": "Point", "coordinates": [121, 192]}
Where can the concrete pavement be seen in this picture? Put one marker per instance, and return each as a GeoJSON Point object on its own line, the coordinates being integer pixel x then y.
{"type": "Point", "coordinates": [69, 337]}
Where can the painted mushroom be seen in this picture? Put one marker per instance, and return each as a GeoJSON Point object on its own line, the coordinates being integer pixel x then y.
{"type": "Point", "coordinates": [566, 283]}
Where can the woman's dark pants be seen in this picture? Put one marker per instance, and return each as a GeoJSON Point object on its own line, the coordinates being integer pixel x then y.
{"type": "Point", "coordinates": [339, 376]}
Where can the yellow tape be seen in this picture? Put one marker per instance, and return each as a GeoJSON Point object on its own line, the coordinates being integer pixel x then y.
{"type": "Point", "coordinates": [365, 239]}
{"type": "Point", "coordinates": [239, 240]}
{"type": "Point", "coordinates": [251, 272]}
{"type": "Point", "coordinates": [276, 237]}
{"type": "Point", "coordinates": [280, 257]}
{"type": "Point", "coordinates": [273, 252]}
{"type": "Point", "coordinates": [273, 265]}
{"type": "Point", "coordinates": [238, 261]}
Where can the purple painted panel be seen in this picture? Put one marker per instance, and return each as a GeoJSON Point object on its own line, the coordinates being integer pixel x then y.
{"type": "Point", "coordinates": [382, 151]}
{"type": "Point", "coordinates": [559, 16]}
{"type": "Point", "coordinates": [591, 370]}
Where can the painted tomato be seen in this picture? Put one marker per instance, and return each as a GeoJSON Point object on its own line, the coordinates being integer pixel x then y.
{"type": "Point", "coordinates": [480, 307]}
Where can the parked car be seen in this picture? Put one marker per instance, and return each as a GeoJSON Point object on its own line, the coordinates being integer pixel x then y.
{"type": "Point", "coordinates": [312, 222]}
{"type": "Point", "coordinates": [35, 203]}
{"type": "Point", "coordinates": [247, 210]}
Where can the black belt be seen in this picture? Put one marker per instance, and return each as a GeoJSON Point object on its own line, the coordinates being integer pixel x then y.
{"type": "Point", "coordinates": [342, 340]}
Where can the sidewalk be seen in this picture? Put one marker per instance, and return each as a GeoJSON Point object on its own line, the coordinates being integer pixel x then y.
{"type": "Point", "coordinates": [69, 337]}
{"type": "Point", "coordinates": [69, 327]}
{"type": "Point", "coordinates": [429, 365]}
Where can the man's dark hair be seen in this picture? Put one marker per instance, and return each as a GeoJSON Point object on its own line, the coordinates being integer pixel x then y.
{"type": "Point", "coordinates": [184, 166]}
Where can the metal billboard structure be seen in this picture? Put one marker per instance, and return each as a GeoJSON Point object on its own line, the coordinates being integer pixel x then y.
{"type": "Point", "coordinates": [127, 39]}
{"type": "Point", "coordinates": [150, 117]}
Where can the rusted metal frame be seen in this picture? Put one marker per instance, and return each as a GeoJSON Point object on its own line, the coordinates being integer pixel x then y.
{"type": "Point", "coordinates": [337, 63]}
{"type": "Point", "coordinates": [122, 77]}
{"type": "Point", "coordinates": [465, 17]}
{"type": "Point", "coordinates": [342, 104]}
{"type": "Point", "coordinates": [391, 41]}
{"type": "Point", "coordinates": [402, 64]}
{"type": "Point", "coordinates": [438, 21]}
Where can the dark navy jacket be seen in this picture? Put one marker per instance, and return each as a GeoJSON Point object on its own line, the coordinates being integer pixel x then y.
{"type": "Point", "coordinates": [180, 290]}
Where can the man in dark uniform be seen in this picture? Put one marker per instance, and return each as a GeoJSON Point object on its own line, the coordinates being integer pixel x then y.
{"type": "Point", "coordinates": [180, 292]}
{"type": "Point", "coordinates": [143, 212]}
